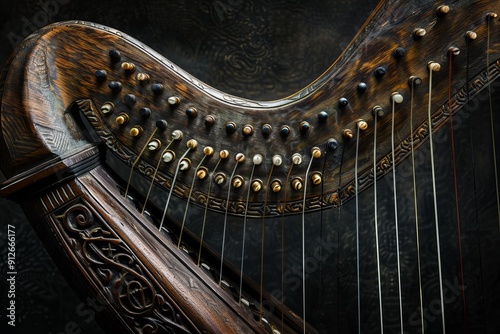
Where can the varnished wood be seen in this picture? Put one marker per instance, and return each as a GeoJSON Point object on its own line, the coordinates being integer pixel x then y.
{"type": "Point", "coordinates": [50, 91]}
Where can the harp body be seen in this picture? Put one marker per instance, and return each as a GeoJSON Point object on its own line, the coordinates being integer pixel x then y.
{"type": "Point", "coordinates": [80, 107]}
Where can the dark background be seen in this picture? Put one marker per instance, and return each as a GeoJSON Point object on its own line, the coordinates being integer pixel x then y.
{"type": "Point", "coordinates": [257, 49]}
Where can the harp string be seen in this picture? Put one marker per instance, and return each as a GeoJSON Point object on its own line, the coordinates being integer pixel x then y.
{"type": "Point", "coordinates": [436, 218]}
{"type": "Point", "coordinates": [339, 201]}
{"type": "Point", "coordinates": [276, 159]}
{"type": "Point", "coordinates": [136, 161]}
{"type": "Point", "coordinates": [396, 98]}
{"type": "Point", "coordinates": [489, 19]}
{"type": "Point", "coordinates": [257, 160]}
{"type": "Point", "coordinates": [455, 186]}
{"type": "Point", "coordinates": [225, 220]}
{"type": "Point", "coordinates": [296, 159]}
{"type": "Point", "coordinates": [375, 205]}
{"type": "Point", "coordinates": [356, 186]}
{"type": "Point", "coordinates": [188, 200]}
{"type": "Point", "coordinates": [172, 186]}
{"type": "Point", "coordinates": [206, 207]}
{"type": "Point", "coordinates": [314, 154]}
{"type": "Point", "coordinates": [473, 163]}
{"type": "Point", "coordinates": [154, 176]}
{"type": "Point", "coordinates": [413, 82]}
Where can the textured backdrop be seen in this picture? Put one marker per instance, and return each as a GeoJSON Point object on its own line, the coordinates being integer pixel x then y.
{"type": "Point", "coordinates": [251, 48]}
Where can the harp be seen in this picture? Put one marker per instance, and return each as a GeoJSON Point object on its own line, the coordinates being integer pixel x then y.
{"type": "Point", "coordinates": [366, 202]}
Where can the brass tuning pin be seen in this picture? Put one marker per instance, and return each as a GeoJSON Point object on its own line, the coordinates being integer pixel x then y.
{"type": "Point", "coordinates": [238, 181]}
{"type": "Point", "coordinates": [316, 178]}
{"type": "Point", "coordinates": [276, 186]}
{"type": "Point", "coordinates": [297, 183]}
{"type": "Point", "coordinates": [257, 185]}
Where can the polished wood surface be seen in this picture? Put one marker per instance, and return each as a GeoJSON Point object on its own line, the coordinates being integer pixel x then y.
{"type": "Point", "coordinates": [56, 130]}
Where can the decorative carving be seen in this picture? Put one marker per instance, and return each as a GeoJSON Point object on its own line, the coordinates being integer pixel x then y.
{"type": "Point", "coordinates": [124, 281]}
{"type": "Point", "coordinates": [255, 210]}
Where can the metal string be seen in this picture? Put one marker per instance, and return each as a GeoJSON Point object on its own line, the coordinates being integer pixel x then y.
{"type": "Point", "coordinates": [244, 233]}
{"type": "Point", "coordinates": [396, 222]}
{"type": "Point", "coordinates": [304, 245]}
{"type": "Point", "coordinates": [188, 201]}
{"type": "Point", "coordinates": [136, 161]}
{"type": "Point", "coordinates": [376, 222]}
{"type": "Point", "coordinates": [206, 209]}
{"type": "Point", "coordinates": [225, 222]}
{"type": "Point", "coordinates": [417, 237]}
{"type": "Point", "coordinates": [283, 249]}
{"type": "Point", "coordinates": [172, 186]}
{"type": "Point", "coordinates": [262, 243]}
{"type": "Point", "coordinates": [357, 230]}
{"type": "Point", "coordinates": [455, 184]}
{"type": "Point", "coordinates": [154, 176]}
{"type": "Point", "coordinates": [436, 219]}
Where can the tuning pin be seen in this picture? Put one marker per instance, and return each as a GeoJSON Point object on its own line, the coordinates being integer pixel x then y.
{"type": "Point", "coordinates": [297, 159]}
{"type": "Point", "coordinates": [192, 112]}
{"type": "Point", "coordinates": [115, 55]}
{"type": "Point", "coordinates": [143, 78]}
{"type": "Point", "coordinates": [348, 134]}
{"type": "Point", "coordinates": [247, 130]}
{"type": "Point", "coordinates": [238, 181]}
{"type": "Point", "coordinates": [122, 119]}
{"type": "Point", "coordinates": [362, 125]}
{"type": "Point", "coordinates": [115, 86]}
{"type": "Point", "coordinates": [230, 127]}
{"type": "Point", "coordinates": [256, 185]}
{"type": "Point", "coordinates": [107, 108]}
{"type": "Point", "coordinates": [192, 144]}
{"type": "Point", "coordinates": [414, 81]}
{"type": "Point", "coordinates": [257, 159]}
{"type": "Point", "coordinates": [157, 88]}
{"type": "Point", "coordinates": [161, 124]}
{"type": "Point", "coordinates": [209, 120]}
{"type": "Point", "coordinates": [443, 10]}
{"type": "Point", "coordinates": [154, 145]}
{"type": "Point", "coordinates": [136, 131]}
{"type": "Point", "coordinates": [128, 67]}
{"type": "Point", "coordinates": [219, 178]}
{"type": "Point", "coordinates": [419, 33]}
{"type": "Point", "coordinates": [297, 183]}
{"type": "Point", "coordinates": [316, 152]}
{"type": "Point", "coordinates": [185, 164]}
{"type": "Point", "coordinates": [433, 66]}
{"type": "Point", "coordinates": [471, 35]}
{"type": "Point", "coordinates": [316, 178]}
{"type": "Point", "coordinates": [332, 144]}
{"type": "Point", "coordinates": [454, 51]}
{"type": "Point", "coordinates": [276, 186]}
{"type": "Point", "coordinates": [208, 151]}
{"type": "Point", "coordinates": [101, 75]}
{"type": "Point", "coordinates": [173, 101]}
{"type": "Point", "coordinates": [202, 173]}
{"type": "Point", "coordinates": [177, 135]}
{"type": "Point", "coordinates": [168, 156]}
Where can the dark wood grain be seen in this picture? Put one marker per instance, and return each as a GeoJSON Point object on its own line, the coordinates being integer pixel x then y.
{"type": "Point", "coordinates": [51, 90]}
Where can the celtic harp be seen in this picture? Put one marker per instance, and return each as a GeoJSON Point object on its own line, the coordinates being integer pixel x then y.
{"type": "Point", "coordinates": [366, 202]}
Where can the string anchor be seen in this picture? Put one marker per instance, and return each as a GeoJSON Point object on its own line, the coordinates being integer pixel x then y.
{"type": "Point", "coordinates": [471, 35]}
{"type": "Point", "coordinates": [396, 97]}
{"type": "Point", "coordinates": [433, 66]}
{"type": "Point", "coordinates": [454, 51]}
